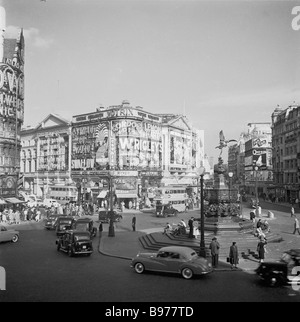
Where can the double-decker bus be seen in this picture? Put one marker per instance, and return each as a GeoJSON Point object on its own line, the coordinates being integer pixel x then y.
{"type": "Point", "coordinates": [172, 195]}
{"type": "Point", "coordinates": [63, 194]}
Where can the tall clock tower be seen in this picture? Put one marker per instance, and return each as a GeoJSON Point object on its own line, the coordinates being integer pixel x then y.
{"type": "Point", "coordinates": [11, 108]}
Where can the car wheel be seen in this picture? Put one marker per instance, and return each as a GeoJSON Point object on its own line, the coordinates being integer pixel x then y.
{"type": "Point", "coordinates": [139, 268]}
{"type": "Point", "coordinates": [15, 238]}
{"type": "Point", "coordinates": [274, 280]}
{"type": "Point", "coordinates": [187, 273]}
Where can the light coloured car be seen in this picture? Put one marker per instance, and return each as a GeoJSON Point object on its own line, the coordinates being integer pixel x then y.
{"type": "Point", "coordinates": [8, 234]}
{"type": "Point", "coordinates": [172, 259]}
{"type": "Point", "coordinates": [50, 202]}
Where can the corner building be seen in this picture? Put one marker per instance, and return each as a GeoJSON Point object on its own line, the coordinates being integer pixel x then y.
{"type": "Point", "coordinates": [139, 150]}
{"type": "Point", "coordinates": [11, 109]}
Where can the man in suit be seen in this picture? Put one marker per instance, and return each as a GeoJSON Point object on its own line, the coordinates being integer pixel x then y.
{"type": "Point", "coordinates": [133, 222]}
{"type": "Point", "coordinates": [191, 226]}
{"type": "Point", "coordinates": [214, 249]}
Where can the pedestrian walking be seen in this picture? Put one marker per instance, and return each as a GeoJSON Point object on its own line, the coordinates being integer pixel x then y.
{"type": "Point", "coordinates": [233, 255]}
{"type": "Point", "coordinates": [261, 249]}
{"type": "Point", "coordinates": [100, 229]}
{"type": "Point", "coordinates": [214, 250]}
{"type": "Point", "coordinates": [133, 222]}
{"type": "Point", "coordinates": [296, 226]}
{"type": "Point", "coordinates": [191, 227]}
{"type": "Point", "coordinates": [292, 211]}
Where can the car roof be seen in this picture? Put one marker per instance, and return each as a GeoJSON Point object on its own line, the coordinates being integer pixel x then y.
{"type": "Point", "coordinates": [84, 219]}
{"type": "Point", "coordinates": [177, 249]}
{"type": "Point", "coordinates": [293, 252]}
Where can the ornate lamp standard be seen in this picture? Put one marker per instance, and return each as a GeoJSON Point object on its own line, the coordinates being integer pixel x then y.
{"type": "Point", "coordinates": [230, 175]}
{"type": "Point", "coordinates": [111, 229]}
{"type": "Point", "coordinates": [202, 251]}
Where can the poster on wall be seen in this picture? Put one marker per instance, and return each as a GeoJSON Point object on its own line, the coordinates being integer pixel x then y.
{"type": "Point", "coordinates": [138, 144]}
{"type": "Point", "coordinates": [180, 149]}
{"type": "Point", "coordinates": [8, 185]}
{"type": "Point", "coordinates": [90, 146]}
{"type": "Point", "coordinates": [11, 92]}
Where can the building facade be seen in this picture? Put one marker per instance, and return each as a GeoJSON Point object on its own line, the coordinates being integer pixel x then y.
{"type": "Point", "coordinates": [46, 155]}
{"type": "Point", "coordinates": [250, 160]}
{"type": "Point", "coordinates": [286, 153]}
{"type": "Point", "coordinates": [11, 109]}
{"type": "Point", "coordinates": [135, 149]}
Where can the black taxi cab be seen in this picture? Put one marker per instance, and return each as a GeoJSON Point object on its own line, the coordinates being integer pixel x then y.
{"type": "Point", "coordinates": [285, 271]}
{"type": "Point", "coordinates": [75, 242]}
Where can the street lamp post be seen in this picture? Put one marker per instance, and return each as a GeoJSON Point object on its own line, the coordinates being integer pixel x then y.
{"type": "Point", "coordinates": [111, 229]}
{"type": "Point", "coordinates": [230, 174]}
{"type": "Point", "coordinates": [202, 251]}
{"type": "Point", "coordinates": [256, 189]}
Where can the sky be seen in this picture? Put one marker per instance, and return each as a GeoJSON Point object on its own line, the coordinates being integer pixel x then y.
{"type": "Point", "coordinates": [223, 64]}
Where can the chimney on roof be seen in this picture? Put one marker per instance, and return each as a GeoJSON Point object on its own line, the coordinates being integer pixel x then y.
{"type": "Point", "coordinates": [100, 108]}
{"type": "Point", "coordinates": [125, 103]}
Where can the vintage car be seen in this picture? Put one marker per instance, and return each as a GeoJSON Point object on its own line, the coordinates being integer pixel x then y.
{"type": "Point", "coordinates": [63, 223]}
{"type": "Point", "coordinates": [286, 271]}
{"type": "Point", "coordinates": [104, 216]}
{"type": "Point", "coordinates": [8, 234]}
{"type": "Point", "coordinates": [172, 259]}
{"type": "Point", "coordinates": [51, 222]}
{"type": "Point", "coordinates": [84, 224]}
{"type": "Point", "coordinates": [75, 242]}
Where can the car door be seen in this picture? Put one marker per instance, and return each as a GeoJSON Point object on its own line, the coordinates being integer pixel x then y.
{"type": "Point", "coordinates": [164, 262]}
{"type": "Point", "coordinates": [3, 235]}
{"type": "Point", "coordinates": [172, 262]}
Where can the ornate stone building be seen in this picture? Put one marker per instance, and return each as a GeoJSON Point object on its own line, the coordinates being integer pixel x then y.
{"type": "Point", "coordinates": [45, 155]}
{"type": "Point", "coordinates": [11, 108]}
{"type": "Point", "coordinates": [139, 150]}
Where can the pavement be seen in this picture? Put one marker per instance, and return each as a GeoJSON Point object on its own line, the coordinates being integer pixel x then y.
{"type": "Point", "coordinates": [125, 243]}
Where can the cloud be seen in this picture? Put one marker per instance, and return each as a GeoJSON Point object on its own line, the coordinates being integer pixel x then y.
{"type": "Point", "coordinates": [31, 35]}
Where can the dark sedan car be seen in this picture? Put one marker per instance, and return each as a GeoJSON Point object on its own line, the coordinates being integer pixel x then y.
{"type": "Point", "coordinates": [172, 259]}
{"type": "Point", "coordinates": [105, 215]}
{"type": "Point", "coordinates": [63, 223]}
{"type": "Point", "coordinates": [51, 222]}
{"type": "Point", "coordinates": [75, 243]}
{"type": "Point", "coordinates": [84, 224]}
{"type": "Point", "coordinates": [286, 271]}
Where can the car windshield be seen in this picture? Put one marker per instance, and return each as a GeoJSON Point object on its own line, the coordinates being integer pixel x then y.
{"type": "Point", "coordinates": [81, 237]}
{"type": "Point", "coordinates": [82, 226]}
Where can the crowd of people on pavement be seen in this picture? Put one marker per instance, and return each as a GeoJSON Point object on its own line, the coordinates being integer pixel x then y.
{"type": "Point", "coordinates": [16, 214]}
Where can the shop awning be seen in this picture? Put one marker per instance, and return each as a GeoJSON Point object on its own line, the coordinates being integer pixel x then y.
{"type": "Point", "coordinates": [102, 194]}
{"type": "Point", "coordinates": [126, 195]}
{"type": "Point", "coordinates": [14, 200]}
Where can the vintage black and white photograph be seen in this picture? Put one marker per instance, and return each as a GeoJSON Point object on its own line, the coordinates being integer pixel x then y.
{"type": "Point", "coordinates": [149, 153]}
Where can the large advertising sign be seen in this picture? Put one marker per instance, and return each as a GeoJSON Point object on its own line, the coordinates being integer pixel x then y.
{"type": "Point", "coordinates": [11, 92]}
{"type": "Point", "coordinates": [181, 146]}
{"type": "Point", "coordinates": [8, 185]}
{"type": "Point", "coordinates": [90, 146]}
{"type": "Point", "coordinates": [127, 145]}
{"type": "Point", "coordinates": [138, 144]}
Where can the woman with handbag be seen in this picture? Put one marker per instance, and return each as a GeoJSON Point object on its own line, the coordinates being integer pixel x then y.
{"type": "Point", "coordinates": [233, 255]}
